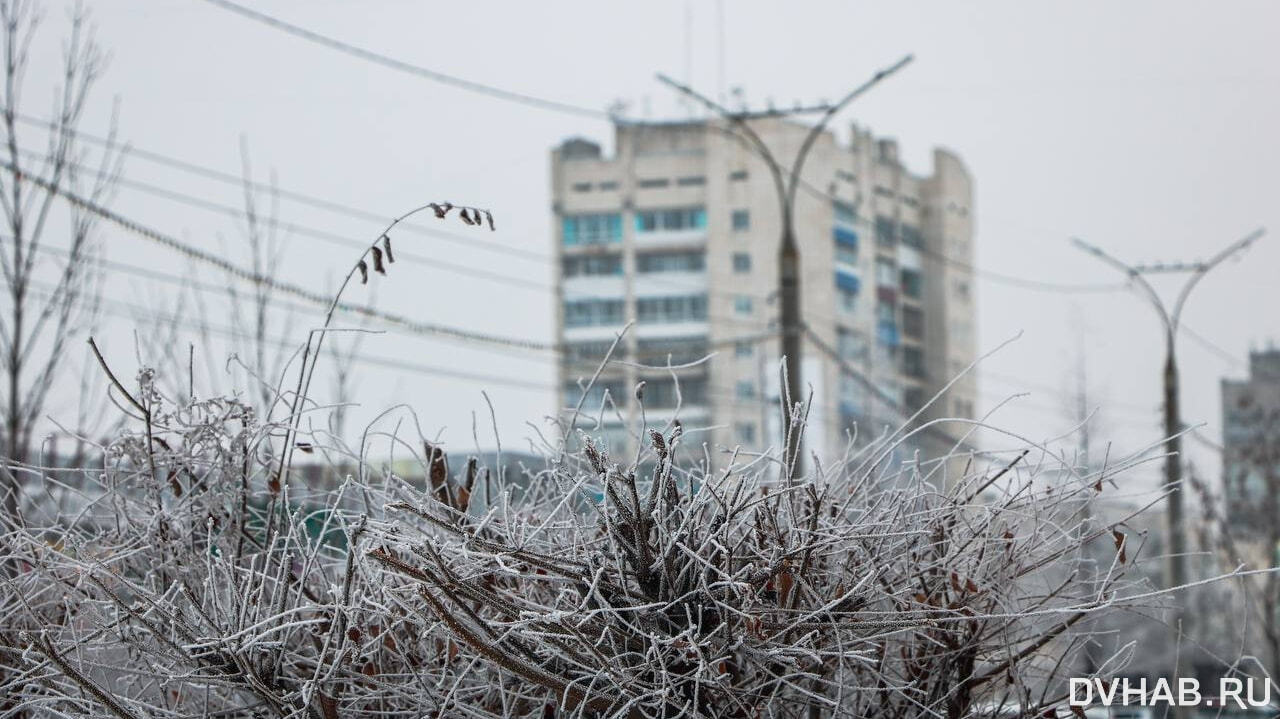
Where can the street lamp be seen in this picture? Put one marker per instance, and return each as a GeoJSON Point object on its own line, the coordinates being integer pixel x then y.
{"type": "Point", "coordinates": [1177, 568]}
{"type": "Point", "coordinates": [785, 184]}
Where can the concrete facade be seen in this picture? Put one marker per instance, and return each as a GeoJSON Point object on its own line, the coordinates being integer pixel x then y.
{"type": "Point", "coordinates": [886, 260]}
{"type": "Point", "coordinates": [1251, 445]}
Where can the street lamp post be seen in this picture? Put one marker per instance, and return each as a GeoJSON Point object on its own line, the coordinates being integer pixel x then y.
{"type": "Point", "coordinates": [1177, 568]}
{"type": "Point", "coordinates": [785, 184]}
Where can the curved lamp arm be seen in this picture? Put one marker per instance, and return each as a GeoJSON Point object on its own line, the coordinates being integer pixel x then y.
{"type": "Point", "coordinates": [826, 117]}
{"type": "Point", "coordinates": [1204, 267]}
{"type": "Point", "coordinates": [1133, 275]}
{"type": "Point", "coordinates": [750, 135]}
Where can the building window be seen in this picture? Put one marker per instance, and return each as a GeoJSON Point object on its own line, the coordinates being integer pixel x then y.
{"type": "Point", "coordinates": [848, 301]}
{"type": "Point", "coordinates": [886, 272]}
{"type": "Point", "coordinates": [913, 361]}
{"type": "Point", "coordinates": [694, 181]}
{"type": "Point", "coordinates": [846, 245]}
{"type": "Point", "coordinates": [592, 265]}
{"type": "Point", "coordinates": [886, 311]}
{"type": "Point", "coordinates": [662, 393]}
{"type": "Point", "coordinates": [588, 351]}
{"type": "Point", "coordinates": [741, 220]}
{"type": "Point", "coordinates": [650, 262]}
{"type": "Point", "coordinates": [746, 432]}
{"type": "Point", "coordinates": [847, 286]}
{"type": "Point", "coordinates": [742, 304]}
{"type": "Point", "coordinates": [845, 213]}
{"type": "Point", "coordinates": [745, 389]}
{"type": "Point", "coordinates": [741, 262]}
{"type": "Point", "coordinates": [743, 348]}
{"type": "Point", "coordinates": [911, 283]}
{"type": "Point", "coordinates": [653, 183]}
{"type": "Point", "coordinates": [886, 231]}
{"type": "Point", "coordinates": [607, 186]}
{"type": "Point", "coordinates": [679, 350]}
{"type": "Point", "coordinates": [850, 344]}
{"type": "Point", "coordinates": [912, 322]}
{"type": "Point", "coordinates": [592, 313]}
{"type": "Point", "coordinates": [582, 187]}
{"type": "Point", "coordinates": [913, 398]}
{"type": "Point", "coordinates": [887, 335]}
{"type": "Point", "coordinates": [689, 218]}
{"type": "Point", "coordinates": [593, 229]}
{"type": "Point", "coordinates": [614, 388]}
{"type": "Point", "coordinates": [737, 176]}
{"type": "Point", "coordinates": [911, 236]}
{"type": "Point", "coordinates": [683, 308]}
{"type": "Point", "coordinates": [846, 255]}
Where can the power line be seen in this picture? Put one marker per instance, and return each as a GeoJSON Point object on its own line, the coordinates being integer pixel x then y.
{"type": "Point", "coordinates": [196, 285]}
{"type": "Point", "coordinates": [356, 213]}
{"type": "Point", "coordinates": [322, 235]}
{"type": "Point", "coordinates": [429, 261]}
{"type": "Point", "coordinates": [416, 70]}
{"type": "Point", "coordinates": [120, 308]}
{"type": "Point", "coordinates": [234, 270]}
{"type": "Point", "coordinates": [271, 188]}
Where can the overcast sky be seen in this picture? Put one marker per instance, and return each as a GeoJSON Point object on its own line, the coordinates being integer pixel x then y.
{"type": "Point", "coordinates": [1147, 128]}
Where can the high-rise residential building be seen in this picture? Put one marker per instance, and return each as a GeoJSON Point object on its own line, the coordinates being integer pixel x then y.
{"type": "Point", "coordinates": [678, 232]}
{"type": "Point", "coordinates": [1251, 444]}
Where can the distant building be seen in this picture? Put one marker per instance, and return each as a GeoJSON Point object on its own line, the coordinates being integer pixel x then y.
{"type": "Point", "coordinates": [679, 232]}
{"type": "Point", "coordinates": [1251, 443]}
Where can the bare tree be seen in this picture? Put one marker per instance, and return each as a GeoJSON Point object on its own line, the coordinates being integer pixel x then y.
{"type": "Point", "coordinates": [46, 295]}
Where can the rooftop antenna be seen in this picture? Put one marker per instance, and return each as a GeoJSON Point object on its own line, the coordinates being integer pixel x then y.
{"type": "Point", "coordinates": [688, 54]}
{"type": "Point", "coordinates": [720, 69]}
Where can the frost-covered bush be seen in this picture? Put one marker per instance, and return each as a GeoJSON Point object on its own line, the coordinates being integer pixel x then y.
{"type": "Point", "coordinates": [184, 577]}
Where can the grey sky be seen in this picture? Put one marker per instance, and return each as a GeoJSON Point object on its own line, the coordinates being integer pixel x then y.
{"type": "Point", "coordinates": [1148, 128]}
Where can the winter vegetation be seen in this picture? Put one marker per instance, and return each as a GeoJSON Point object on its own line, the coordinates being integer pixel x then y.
{"type": "Point", "coordinates": [238, 555]}
{"type": "Point", "coordinates": [184, 575]}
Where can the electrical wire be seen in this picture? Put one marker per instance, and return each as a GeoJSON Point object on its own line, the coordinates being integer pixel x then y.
{"type": "Point", "coordinates": [194, 253]}
{"type": "Point", "coordinates": [410, 68]}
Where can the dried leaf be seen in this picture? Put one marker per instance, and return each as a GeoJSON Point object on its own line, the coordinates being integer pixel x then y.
{"type": "Point", "coordinates": [1097, 486]}
{"type": "Point", "coordinates": [489, 216]}
{"type": "Point", "coordinates": [377, 260]}
{"type": "Point", "coordinates": [1119, 538]}
{"type": "Point", "coordinates": [364, 272]}
{"type": "Point", "coordinates": [955, 581]}
{"type": "Point", "coordinates": [304, 447]}
{"type": "Point", "coordinates": [785, 582]}
{"type": "Point", "coordinates": [970, 586]}
{"type": "Point", "coordinates": [386, 247]}
{"type": "Point", "coordinates": [437, 466]}
{"type": "Point", "coordinates": [466, 217]}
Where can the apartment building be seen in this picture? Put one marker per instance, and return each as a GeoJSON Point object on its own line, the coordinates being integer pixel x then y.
{"type": "Point", "coordinates": [678, 233]}
{"type": "Point", "coordinates": [1251, 447]}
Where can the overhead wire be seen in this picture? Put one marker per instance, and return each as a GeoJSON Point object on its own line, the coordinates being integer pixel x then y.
{"type": "Point", "coordinates": [329, 205]}
{"type": "Point", "coordinates": [410, 68]}
{"type": "Point", "coordinates": [208, 258]}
